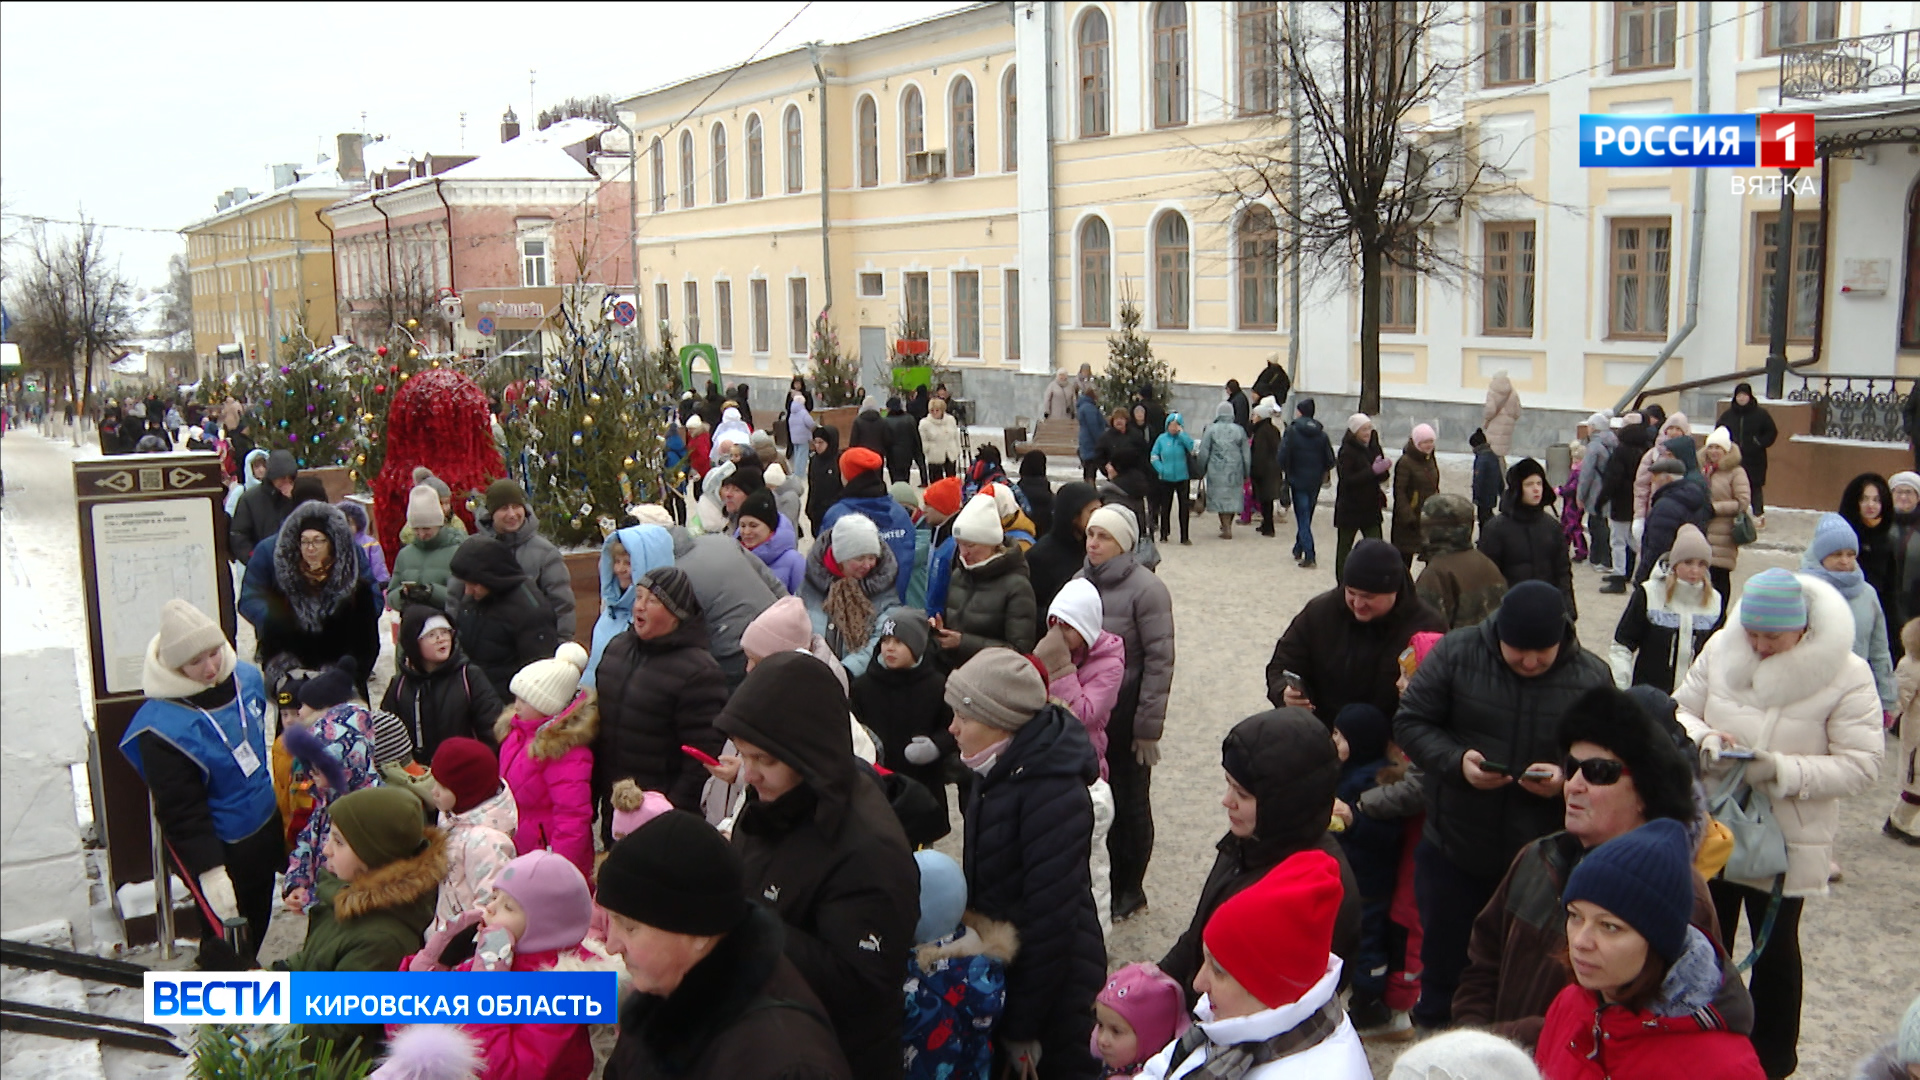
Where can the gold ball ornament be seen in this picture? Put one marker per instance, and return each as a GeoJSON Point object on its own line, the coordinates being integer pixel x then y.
{"type": "Point", "coordinates": [413, 324]}
{"type": "Point", "coordinates": [413, 354]}
{"type": "Point", "coordinates": [628, 462]}
{"type": "Point", "coordinates": [593, 399]}
{"type": "Point", "coordinates": [404, 376]}
{"type": "Point", "coordinates": [587, 419]}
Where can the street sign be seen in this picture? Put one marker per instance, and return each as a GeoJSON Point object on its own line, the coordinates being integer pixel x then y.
{"type": "Point", "coordinates": [624, 313]}
{"type": "Point", "coordinates": [485, 326]}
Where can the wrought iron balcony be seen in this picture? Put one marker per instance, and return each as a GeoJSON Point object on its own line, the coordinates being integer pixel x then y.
{"type": "Point", "coordinates": [1856, 65]}
{"type": "Point", "coordinates": [1868, 407]}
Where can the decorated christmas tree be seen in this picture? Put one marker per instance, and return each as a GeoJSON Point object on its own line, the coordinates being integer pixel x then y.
{"type": "Point", "coordinates": [1131, 365]}
{"type": "Point", "coordinates": [307, 407]}
{"type": "Point", "coordinates": [439, 418]}
{"type": "Point", "coordinates": [836, 378]}
{"type": "Point", "coordinates": [590, 440]}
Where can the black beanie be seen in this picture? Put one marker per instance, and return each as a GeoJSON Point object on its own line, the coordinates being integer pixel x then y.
{"type": "Point", "coordinates": [760, 505]}
{"type": "Point", "coordinates": [333, 686]}
{"type": "Point", "coordinates": [746, 479]}
{"type": "Point", "coordinates": [307, 489]}
{"type": "Point", "coordinates": [1374, 566]}
{"type": "Point", "coordinates": [1533, 615]}
{"type": "Point", "coordinates": [671, 586]}
{"type": "Point", "coordinates": [1477, 439]}
{"type": "Point", "coordinates": [677, 874]}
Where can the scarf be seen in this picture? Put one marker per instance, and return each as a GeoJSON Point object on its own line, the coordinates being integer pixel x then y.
{"type": "Point", "coordinates": [984, 761]}
{"type": "Point", "coordinates": [848, 608]}
{"type": "Point", "coordinates": [1236, 1061]}
{"type": "Point", "coordinates": [317, 576]}
{"type": "Point", "coordinates": [1849, 583]}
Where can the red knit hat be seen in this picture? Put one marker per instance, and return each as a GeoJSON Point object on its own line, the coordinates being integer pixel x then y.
{"type": "Point", "coordinates": [943, 495]}
{"type": "Point", "coordinates": [857, 461]}
{"type": "Point", "coordinates": [468, 769]}
{"type": "Point", "coordinates": [1274, 937]}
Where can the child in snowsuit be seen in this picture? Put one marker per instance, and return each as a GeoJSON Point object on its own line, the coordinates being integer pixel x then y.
{"type": "Point", "coordinates": [478, 816]}
{"type": "Point", "coordinates": [901, 699]}
{"type": "Point", "coordinates": [956, 982]}
{"type": "Point", "coordinates": [1489, 477]}
{"type": "Point", "coordinates": [331, 742]}
{"type": "Point", "coordinates": [369, 543]}
{"type": "Point", "coordinates": [1572, 525]}
{"type": "Point", "coordinates": [546, 756]}
{"type": "Point", "coordinates": [1138, 1012]}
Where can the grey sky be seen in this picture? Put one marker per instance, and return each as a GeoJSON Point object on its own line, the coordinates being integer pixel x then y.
{"type": "Point", "coordinates": [143, 113]}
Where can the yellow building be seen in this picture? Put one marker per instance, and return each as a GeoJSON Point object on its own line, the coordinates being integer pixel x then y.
{"type": "Point", "coordinates": [263, 262]}
{"type": "Point", "coordinates": [1003, 176]}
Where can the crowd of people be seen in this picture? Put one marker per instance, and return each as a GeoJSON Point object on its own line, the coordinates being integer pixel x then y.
{"type": "Point", "coordinates": [1456, 820]}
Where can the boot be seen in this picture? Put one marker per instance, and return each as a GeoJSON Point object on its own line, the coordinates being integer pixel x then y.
{"type": "Point", "coordinates": [1616, 584]}
{"type": "Point", "coordinates": [1226, 526]}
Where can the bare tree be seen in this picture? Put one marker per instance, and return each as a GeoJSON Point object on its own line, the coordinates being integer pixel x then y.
{"type": "Point", "coordinates": [1376, 167]}
{"type": "Point", "coordinates": [73, 306]}
{"type": "Point", "coordinates": [176, 316]}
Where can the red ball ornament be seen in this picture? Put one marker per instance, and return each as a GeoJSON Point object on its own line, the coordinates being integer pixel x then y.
{"type": "Point", "coordinates": [394, 370]}
{"type": "Point", "coordinates": [380, 389]}
{"type": "Point", "coordinates": [381, 351]}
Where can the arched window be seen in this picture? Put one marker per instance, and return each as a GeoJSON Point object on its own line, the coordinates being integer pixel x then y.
{"type": "Point", "coordinates": [1259, 243]}
{"type": "Point", "coordinates": [869, 143]}
{"type": "Point", "coordinates": [1169, 64]}
{"type": "Point", "coordinates": [1096, 273]}
{"type": "Point", "coordinates": [659, 176]}
{"type": "Point", "coordinates": [1009, 122]}
{"type": "Point", "coordinates": [913, 121]}
{"type": "Point", "coordinates": [795, 157]}
{"type": "Point", "coordinates": [719, 164]}
{"type": "Point", "coordinates": [756, 158]}
{"type": "Point", "coordinates": [960, 127]}
{"type": "Point", "coordinates": [1172, 261]}
{"type": "Point", "coordinates": [1093, 75]}
{"type": "Point", "coordinates": [686, 170]}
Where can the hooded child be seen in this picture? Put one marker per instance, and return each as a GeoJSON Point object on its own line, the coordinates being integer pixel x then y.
{"type": "Point", "coordinates": [1136, 1015]}
{"type": "Point", "coordinates": [478, 817]}
{"type": "Point", "coordinates": [331, 742]}
{"type": "Point", "coordinates": [956, 985]}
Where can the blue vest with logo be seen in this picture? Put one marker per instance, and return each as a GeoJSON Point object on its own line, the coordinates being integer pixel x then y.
{"type": "Point", "coordinates": [240, 804]}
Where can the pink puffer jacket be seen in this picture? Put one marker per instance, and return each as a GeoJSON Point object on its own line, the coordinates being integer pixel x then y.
{"type": "Point", "coordinates": [549, 765]}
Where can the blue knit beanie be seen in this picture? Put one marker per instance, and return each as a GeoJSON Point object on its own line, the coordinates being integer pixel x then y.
{"type": "Point", "coordinates": [1773, 602]}
{"type": "Point", "coordinates": [1646, 879]}
{"type": "Point", "coordinates": [1830, 534]}
{"type": "Point", "coordinates": [943, 896]}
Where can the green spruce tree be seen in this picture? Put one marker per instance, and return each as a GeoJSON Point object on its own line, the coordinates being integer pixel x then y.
{"type": "Point", "coordinates": [1131, 365]}
{"type": "Point", "coordinates": [307, 406]}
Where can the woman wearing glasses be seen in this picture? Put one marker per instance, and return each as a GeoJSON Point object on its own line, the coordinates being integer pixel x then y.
{"type": "Point", "coordinates": [319, 607]}
{"type": "Point", "coordinates": [1621, 772]}
{"type": "Point", "coordinates": [1782, 687]}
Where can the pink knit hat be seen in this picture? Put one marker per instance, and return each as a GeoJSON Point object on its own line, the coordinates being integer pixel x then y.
{"type": "Point", "coordinates": [783, 627]}
{"type": "Point", "coordinates": [554, 896]}
{"type": "Point", "coordinates": [1150, 1002]}
{"type": "Point", "coordinates": [633, 807]}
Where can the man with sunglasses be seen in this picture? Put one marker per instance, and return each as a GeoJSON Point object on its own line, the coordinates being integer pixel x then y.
{"type": "Point", "coordinates": [1480, 718]}
{"type": "Point", "coordinates": [1621, 772]}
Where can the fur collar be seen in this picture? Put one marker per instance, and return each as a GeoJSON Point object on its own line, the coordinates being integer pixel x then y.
{"type": "Point", "coordinates": [159, 681]}
{"type": "Point", "coordinates": [982, 937]}
{"type": "Point", "coordinates": [577, 725]}
{"type": "Point", "coordinates": [1802, 671]}
{"type": "Point", "coordinates": [675, 1031]}
{"type": "Point", "coordinates": [400, 882]}
{"type": "Point", "coordinates": [311, 607]}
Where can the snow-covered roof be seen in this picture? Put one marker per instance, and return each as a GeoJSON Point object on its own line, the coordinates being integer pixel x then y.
{"type": "Point", "coordinates": [538, 155]}
{"type": "Point", "coordinates": [318, 179]}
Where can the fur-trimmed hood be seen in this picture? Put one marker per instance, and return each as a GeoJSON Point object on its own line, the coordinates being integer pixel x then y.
{"type": "Point", "coordinates": [553, 736]}
{"type": "Point", "coordinates": [1801, 671]}
{"type": "Point", "coordinates": [311, 606]}
{"type": "Point", "coordinates": [401, 882]}
{"type": "Point", "coordinates": [982, 937]}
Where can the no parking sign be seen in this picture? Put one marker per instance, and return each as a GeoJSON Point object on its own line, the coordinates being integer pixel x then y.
{"type": "Point", "coordinates": [624, 312]}
{"type": "Point", "coordinates": [485, 325]}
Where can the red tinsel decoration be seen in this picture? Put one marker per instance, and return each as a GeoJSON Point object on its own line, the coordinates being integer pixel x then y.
{"type": "Point", "coordinates": [439, 419]}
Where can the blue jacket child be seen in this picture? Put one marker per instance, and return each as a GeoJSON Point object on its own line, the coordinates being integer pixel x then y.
{"type": "Point", "coordinates": [956, 984]}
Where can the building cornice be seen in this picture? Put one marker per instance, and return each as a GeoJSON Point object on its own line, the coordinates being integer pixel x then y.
{"type": "Point", "coordinates": [324, 195]}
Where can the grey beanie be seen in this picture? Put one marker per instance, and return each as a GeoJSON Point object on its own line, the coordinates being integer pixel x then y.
{"type": "Point", "coordinates": [998, 687]}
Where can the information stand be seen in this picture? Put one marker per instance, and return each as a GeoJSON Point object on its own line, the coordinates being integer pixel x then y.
{"type": "Point", "coordinates": [152, 527]}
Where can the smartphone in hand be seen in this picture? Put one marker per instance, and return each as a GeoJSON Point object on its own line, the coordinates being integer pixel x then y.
{"type": "Point", "coordinates": [1737, 753]}
{"type": "Point", "coordinates": [1542, 772]}
{"type": "Point", "coordinates": [699, 755]}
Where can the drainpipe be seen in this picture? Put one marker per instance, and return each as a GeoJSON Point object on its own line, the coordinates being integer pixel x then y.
{"type": "Point", "coordinates": [1293, 193]}
{"type": "Point", "coordinates": [333, 262]}
{"type": "Point", "coordinates": [1045, 112]}
{"type": "Point", "coordinates": [374, 198]}
{"type": "Point", "coordinates": [452, 285]}
{"type": "Point", "coordinates": [1699, 240]}
{"type": "Point", "coordinates": [826, 250]}
{"type": "Point", "coordinates": [633, 210]}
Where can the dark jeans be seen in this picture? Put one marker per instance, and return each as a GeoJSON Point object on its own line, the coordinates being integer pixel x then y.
{"type": "Point", "coordinates": [1775, 980]}
{"type": "Point", "coordinates": [1343, 542]}
{"type": "Point", "coordinates": [1450, 900]}
{"type": "Point", "coordinates": [1130, 841]}
{"type": "Point", "coordinates": [1266, 515]}
{"type": "Point", "coordinates": [1485, 513]}
{"type": "Point", "coordinates": [940, 470]}
{"type": "Point", "coordinates": [1601, 537]}
{"type": "Point", "coordinates": [1165, 492]}
{"type": "Point", "coordinates": [1089, 468]}
{"type": "Point", "coordinates": [1304, 501]}
{"type": "Point", "coordinates": [1759, 505]}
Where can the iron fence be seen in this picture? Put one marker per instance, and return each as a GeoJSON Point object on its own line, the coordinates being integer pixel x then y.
{"type": "Point", "coordinates": [1867, 407]}
{"type": "Point", "coordinates": [1855, 65]}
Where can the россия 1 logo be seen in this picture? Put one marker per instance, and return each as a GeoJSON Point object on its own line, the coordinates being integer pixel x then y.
{"type": "Point", "coordinates": [1700, 140]}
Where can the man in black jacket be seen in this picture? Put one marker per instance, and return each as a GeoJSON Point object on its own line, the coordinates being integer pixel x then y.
{"type": "Point", "coordinates": [903, 433]}
{"type": "Point", "coordinates": [870, 429]}
{"type": "Point", "coordinates": [1480, 718]}
{"type": "Point", "coordinates": [660, 689]}
{"type": "Point", "coordinates": [822, 848]}
{"type": "Point", "coordinates": [503, 623]}
{"type": "Point", "coordinates": [1057, 556]}
{"type": "Point", "coordinates": [1345, 644]}
{"type": "Point", "coordinates": [260, 512]}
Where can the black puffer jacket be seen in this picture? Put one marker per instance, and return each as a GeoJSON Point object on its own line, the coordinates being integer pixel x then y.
{"type": "Point", "coordinates": [312, 626]}
{"type": "Point", "coordinates": [509, 628]}
{"type": "Point", "coordinates": [1526, 542]}
{"type": "Point", "coordinates": [1057, 556]}
{"type": "Point", "coordinates": [1359, 493]}
{"type": "Point", "coordinates": [903, 433]}
{"type": "Point", "coordinates": [871, 431]}
{"type": "Point", "coordinates": [1343, 660]}
{"type": "Point", "coordinates": [828, 857]}
{"type": "Point", "coordinates": [655, 697]}
{"type": "Point", "coordinates": [1617, 483]}
{"type": "Point", "coordinates": [823, 476]}
{"type": "Point", "coordinates": [1028, 834]}
{"type": "Point", "coordinates": [1675, 503]}
{"type": "Point", "coordinates": [1293, 773]}
{"type": "Point", "coordinates": [1465, 697]}
{"type": "Point", "coordinates": [455, 698]}
{"type": "Point", "coordinates": [991, 604]}
{"type": "Point", "coordinates": [261, 510]}
{"type": "Point", "coordinates": [898, 706]}
{"type": "Point", "coordinates": [1264, 467]}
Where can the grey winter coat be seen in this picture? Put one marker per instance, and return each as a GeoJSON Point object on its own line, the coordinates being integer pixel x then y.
{"type": "Point", "coordinates": [1591, 491]}
{"type": "Point", "coordinates": [1139, 610]}
{"type": "Point", "coordinates": [731, 583]}
{"type": "Point", "coordinates": [1226, 459]}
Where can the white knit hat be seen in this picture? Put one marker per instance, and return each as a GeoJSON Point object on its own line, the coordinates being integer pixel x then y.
{"type": "Point", "coordinates": [1721, 438]}
{"type": "Point", "coordinates": [1119, 522]}
{"type": "Point", "coordinates": [853, 536]}
{"type": "Point", "coordinates": [1463, 1053]}
{"type": "Point", "coordinates": [978, 522]}
{"type": "Point", "coordinates": [549, 685]}
{"type": "Point", "coordinates": [1078, 604]}
{"type": "Point", "coordinates": [423, 508]}
{"type": "Point", "coordinates": [652, 514]}
{"type": "Point", "coordinates": [185, 632]}
{"type": "Point", "coordinates": [1357, 421]}
{"type": "Point", "coordinates": [774, 475]}
{"type": "Point", "coordinates": [1004, 504]}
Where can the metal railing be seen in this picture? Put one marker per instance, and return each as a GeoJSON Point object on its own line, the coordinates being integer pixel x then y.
{"type": "Point", "coordinates": [1855, 65]}
{"type": "Point", "coordinates": [1730, 378]}
{"type": "Point", "coordinates": [1866, 407]}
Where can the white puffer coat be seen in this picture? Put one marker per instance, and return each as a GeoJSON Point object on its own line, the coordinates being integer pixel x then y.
{"type": "Point", "coordinates": [1827, 739]}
